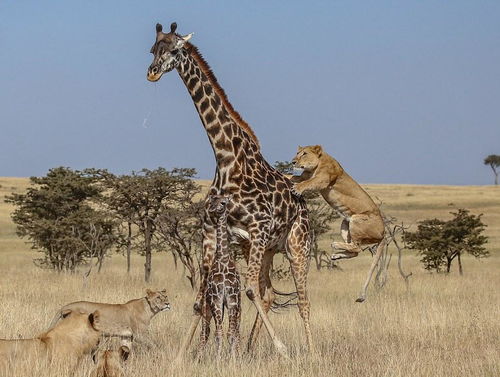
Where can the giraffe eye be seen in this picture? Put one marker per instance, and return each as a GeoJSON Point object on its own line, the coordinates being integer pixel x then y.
{"type": "Point", "coordinates": [174, 52]}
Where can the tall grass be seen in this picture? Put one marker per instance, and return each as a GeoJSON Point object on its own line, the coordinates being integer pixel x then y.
{"type": "Point", "coordinates": [444, 326]}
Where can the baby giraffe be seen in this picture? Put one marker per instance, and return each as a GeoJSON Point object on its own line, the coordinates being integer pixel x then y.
{"type": "Point", "coordinates": [223, 284]}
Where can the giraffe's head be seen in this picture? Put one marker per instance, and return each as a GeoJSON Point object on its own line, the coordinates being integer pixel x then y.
{"type": "Point", "coordinates": [167, 51]}
{"type": "Point", "coordinates": [218, 204]}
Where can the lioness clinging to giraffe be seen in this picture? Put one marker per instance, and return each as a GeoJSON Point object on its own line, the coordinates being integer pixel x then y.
{"type": "Point", "coordinates": [223, 286]}
{"type": "Point", "coordinates": [362, 224]}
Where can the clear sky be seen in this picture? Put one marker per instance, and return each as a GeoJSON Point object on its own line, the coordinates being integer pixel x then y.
{"type": "Point", "coordinates": [397, 91]}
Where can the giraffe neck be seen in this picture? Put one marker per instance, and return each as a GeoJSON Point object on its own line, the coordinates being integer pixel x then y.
{"type": "Point", "coordinates": [222, 250]}
{"type": "Point", "coordinates": [231, 137]}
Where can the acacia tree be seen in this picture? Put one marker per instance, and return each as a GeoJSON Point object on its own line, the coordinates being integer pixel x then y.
{"type": "Point", "coordinates": [121, 202]}
{"type": "Point", "coordinates": [494, 161]}
{"type": "Point", "coordinates": [139, 199]}
{"type": "Point", "coordinates": [180, 227]}
{"type": "Point", "coordinates": [58, 219]}
{"type": "Point", "coordinates": [440, 242]}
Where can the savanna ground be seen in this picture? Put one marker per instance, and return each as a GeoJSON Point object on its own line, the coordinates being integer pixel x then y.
{"type": "Point", "coordinates": [444, 326]}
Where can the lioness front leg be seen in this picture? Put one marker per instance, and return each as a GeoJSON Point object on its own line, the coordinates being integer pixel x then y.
{"type": "Point", "coordinates": [313, 184]}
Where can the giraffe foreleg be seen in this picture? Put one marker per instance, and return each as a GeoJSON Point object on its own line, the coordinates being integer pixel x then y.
{"type": "Point", "coordinates": [205, 327]}
{"type": "Point", "coordinates": [209, 241]}
{"type": "Point", "coordinates": [234, 328]}
{"type": "Point", "coordinates": [217, 311]}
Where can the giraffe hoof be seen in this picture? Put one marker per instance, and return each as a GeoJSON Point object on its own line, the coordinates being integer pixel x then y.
{"type": "Point", "coordinates": [197, 308]}
{"type": "Point", "coordinates": [360, 299]}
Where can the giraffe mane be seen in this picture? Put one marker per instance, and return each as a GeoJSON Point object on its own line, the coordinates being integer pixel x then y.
{"type": "Point", "coordinates": [205, 68]}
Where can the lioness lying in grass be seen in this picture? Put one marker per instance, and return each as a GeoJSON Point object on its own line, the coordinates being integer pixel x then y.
{"type": "Point", "coordinates": [65, 344]}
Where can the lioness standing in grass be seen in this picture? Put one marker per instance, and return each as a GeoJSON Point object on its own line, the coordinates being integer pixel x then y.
{"type": "Point", "coordinates": [362, 224]}
{"type": "Point", "coordinates": [135, 314]}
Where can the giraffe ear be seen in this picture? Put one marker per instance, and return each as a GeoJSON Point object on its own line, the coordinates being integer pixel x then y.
{"type": "Point", "coordinates": [182, 40]}
{"type": "Point", "coordinates": [159, 28]}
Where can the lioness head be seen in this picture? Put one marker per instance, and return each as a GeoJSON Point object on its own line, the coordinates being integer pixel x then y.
{"type": "Point", "coordinates": [76, 320]}
{"type": "Point", "coordinates": [157, 300]}
{"type": "Point", "coordinates": [77, 333]}
{"type": "Point", "coordinates": [307, 158]}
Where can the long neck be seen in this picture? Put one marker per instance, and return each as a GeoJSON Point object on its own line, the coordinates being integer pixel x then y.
{"type": "Point", "coordinates": [230, 136]}
{"type": "Point", "coordinates": [222, 249]}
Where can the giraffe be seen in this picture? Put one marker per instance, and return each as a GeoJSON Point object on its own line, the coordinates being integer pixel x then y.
{"type": "Point", "coordinates": [266, 214]}
{"type": "Point", "coordinates": [223, 283]}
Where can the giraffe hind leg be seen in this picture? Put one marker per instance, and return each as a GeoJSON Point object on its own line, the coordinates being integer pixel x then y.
{"type": "Point", "coordinates": [267, 295]}
{"type": "Point", "coordinates": [257, 251]}
{"type": "Point", "coordinates": [298, 249]}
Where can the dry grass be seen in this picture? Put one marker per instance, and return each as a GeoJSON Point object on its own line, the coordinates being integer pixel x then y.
{"type": "Point", "coordinates": [445, 325]}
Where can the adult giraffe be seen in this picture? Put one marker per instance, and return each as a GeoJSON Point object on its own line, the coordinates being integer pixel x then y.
{"type": "Point", "coordinates": [266, 215]}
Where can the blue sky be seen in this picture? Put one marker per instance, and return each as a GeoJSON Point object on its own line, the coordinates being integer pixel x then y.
{"type": "Point", "coordinates": [398, 92]}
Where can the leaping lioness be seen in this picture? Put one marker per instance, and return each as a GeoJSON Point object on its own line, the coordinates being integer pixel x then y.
{"type": "Point", "coordinates": [362, 224]}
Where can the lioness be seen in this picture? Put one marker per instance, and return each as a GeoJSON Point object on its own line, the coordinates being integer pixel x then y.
{"type": "Point", "coordinates": [135, 314]}
{"type": "Point", "coordinates": [75, 335]}
{"type": "Point", "coordinates": [362, 222]}
{"type": "Point", "coordinates": [109, 362]}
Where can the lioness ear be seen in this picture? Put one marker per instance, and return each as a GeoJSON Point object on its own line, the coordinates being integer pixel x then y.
{"type": "Point", "coordinates": [299, 148]}
{"type": "Point", "coordinates": [124, 352]}
{"type": "Point", "coordinates": [94, 319]}
{"type": "Point", "coordinates": [149, 292]}
{"type": "Point", "coordinates": [66, 312]}
{"type": "Point", "coordinates": [318, 150]}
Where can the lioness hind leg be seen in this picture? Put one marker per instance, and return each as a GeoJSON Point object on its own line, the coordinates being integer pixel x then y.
{"type": "Point", "coordinates": [348, 250]}
{"type": "Point", "coordinates": [345, 232]}
{"type": "Point", "coordinates": [376, 258]}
